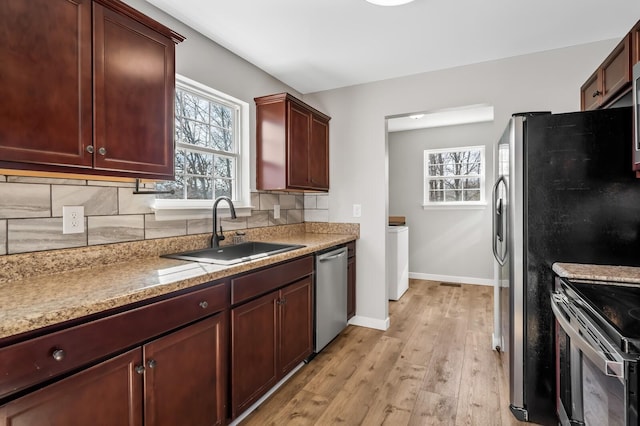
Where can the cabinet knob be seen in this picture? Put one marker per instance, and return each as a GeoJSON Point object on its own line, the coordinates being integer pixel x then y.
{"type": "Point", "coordinates": [102, 151]}
{"type": "Point", "coordinates": [204, 304]}
{"type": "Point", "coordinates": [151, 363]}
{"type": "Point", "coordinates": [90, 149]}
{"type": "Point", "coordinates": [139, 369]}
{"type": "Point", "coordinates": [58, 354]}
{"type": "Point", "coordinates": [596, 93]}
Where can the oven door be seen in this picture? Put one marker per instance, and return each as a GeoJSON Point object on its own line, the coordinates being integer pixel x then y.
{"type": "Point", "coordinates": [597, 385]}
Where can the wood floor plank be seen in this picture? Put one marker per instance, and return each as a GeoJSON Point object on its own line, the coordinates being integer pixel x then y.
{"type": "Point", "coordinates": [435, 368]}
{"type": "Point", "coordinates": [433, 409]}
{"type": "Point", "coordinates": [444, 371]}
{"type": "Point", "coordinates": [479, 398]}
{"type": "Point", "coordinates": [395, 401]}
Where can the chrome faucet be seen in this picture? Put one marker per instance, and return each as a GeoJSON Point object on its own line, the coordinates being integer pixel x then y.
{"type": "Point", "coordinates": [215, 238]}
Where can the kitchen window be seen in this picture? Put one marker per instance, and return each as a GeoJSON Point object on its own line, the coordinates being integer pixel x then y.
{"type": "Point", "coordinates": [211, 150]}
{"type": "Point", "coordinates": [454, 177]}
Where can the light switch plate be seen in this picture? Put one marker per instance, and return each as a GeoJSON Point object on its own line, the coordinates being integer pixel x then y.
{"type": "Point", "coordinates": [72, 219]}
{"type": "Point", "coordinates": [357, 210]}
{"type": "Point", "coordinates": [276, 211]}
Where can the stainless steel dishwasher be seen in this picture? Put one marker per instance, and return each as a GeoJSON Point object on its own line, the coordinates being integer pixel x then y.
{"type": "Point", "coordinates": [331, 296]}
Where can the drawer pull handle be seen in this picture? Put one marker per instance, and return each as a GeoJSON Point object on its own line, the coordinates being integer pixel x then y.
{"type": "Point", "coordinates": [204, 304]}
{"type": "Point", "coordinates": [151, 363]}
{"type": "Point", "coordinates": [596, 93]}
{"type": "Point", "coordinates": [139, 369]}
{"type": "Point", "coordinates": [58, 354]}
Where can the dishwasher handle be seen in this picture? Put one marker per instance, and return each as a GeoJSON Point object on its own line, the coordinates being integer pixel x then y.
{"type": "Point", "coordinates": [332, 255]}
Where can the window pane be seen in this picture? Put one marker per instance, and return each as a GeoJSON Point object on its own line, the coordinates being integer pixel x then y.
{"type": "Point", "coordinates": [223, 187]}
{"type": "Point", "coordinates": [191, 106]}
{"type": "Point", "coordinates": [177, 186]}
{"type": "Point", "coordinates": [436, 196]}
{"type": "Point", "coordinates": [199, 164]}
{"type": "Point", "coordinates": [192, 132]}
{"type": "Point", "coordinates": [224, 167]}
{"type": "Point", "coordinates": [221, 139]}
{"type": "Point", "coordinates": [472, 183]}
{"type": "Point", "coordinates": [453, 195]}
{"type": "Point", "coordinates": [180, 161]}
{"type": "Point", "coordinates": [221, 116]}
{"type": "Point", "coordinates": [472, 195]}
{"type": "Point", "coordinates": [199, 188]}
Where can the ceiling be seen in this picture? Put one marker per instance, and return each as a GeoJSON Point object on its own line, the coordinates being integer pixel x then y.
{"type": "Point", "coordinates": [315, 45]}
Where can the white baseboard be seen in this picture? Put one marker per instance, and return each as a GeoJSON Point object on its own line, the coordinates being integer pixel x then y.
{"type": "Point", "coordinates": [370, 322]}
{"type": "Point", "coordinates": [452, 279]}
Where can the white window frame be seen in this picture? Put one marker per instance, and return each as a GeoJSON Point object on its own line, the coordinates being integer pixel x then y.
{"type": "Point", "coordinates": [427, 204]}
{"type": "Point", "coordinates": [169, 209]}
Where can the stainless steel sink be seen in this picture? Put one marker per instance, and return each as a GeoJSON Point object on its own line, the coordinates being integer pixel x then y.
{"type": "Point", "coordinates": [232, 254]}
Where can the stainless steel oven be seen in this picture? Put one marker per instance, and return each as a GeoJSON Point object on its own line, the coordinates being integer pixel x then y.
{"type": "Point", "coordinates": [597, 353]}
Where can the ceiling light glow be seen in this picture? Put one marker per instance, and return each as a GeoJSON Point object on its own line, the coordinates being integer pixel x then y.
{"type": "Point", "coordinates": [389, 2]}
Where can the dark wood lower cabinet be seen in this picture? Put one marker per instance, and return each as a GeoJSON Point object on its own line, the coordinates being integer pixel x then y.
{"type": "Point", "coordinates": [351, 280]}
{"type": "Point", "coordinates": [185, 376]}
{"type": "Point", "coordinates": [178, 379]}
{"type": "Point", "coordinates": [109, 393]}
{"type": "Point", "coordinates": [269, 337]}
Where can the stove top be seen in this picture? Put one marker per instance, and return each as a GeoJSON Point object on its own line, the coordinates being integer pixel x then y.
{"type": "Point", "coordinates": [619, 306]}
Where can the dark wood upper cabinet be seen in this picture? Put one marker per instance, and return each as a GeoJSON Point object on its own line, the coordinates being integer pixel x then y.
{"type": "Point", "coordinates": [292, 141]}
{"type": "Point", "coordinates": [88, 87]}
{"type": "Point", "coordinates": [45, 113]}
{"type": "Point", "coordinates": [635, 44]}
{"type": "Point", "coordinates": [612, 79]}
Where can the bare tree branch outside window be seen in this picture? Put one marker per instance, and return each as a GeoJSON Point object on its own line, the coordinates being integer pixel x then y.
{"type": "Point", "coordinates": [206, 149]}
{"type": "Point", "coordinates": [454, 176]}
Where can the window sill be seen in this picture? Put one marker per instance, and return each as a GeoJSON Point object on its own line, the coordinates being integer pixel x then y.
{"type": "Point", "coordinates": [455, 206]}
{"type": "Point", "coordinates": [196, 209]}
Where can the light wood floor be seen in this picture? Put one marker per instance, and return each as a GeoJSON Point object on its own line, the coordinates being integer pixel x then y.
{"type": "Point", "coordinates": [433, 366]}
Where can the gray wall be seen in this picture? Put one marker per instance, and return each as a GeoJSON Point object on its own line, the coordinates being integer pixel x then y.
{"type": "Point", "coordinates": [543, 81]}
{"type": "Point", "coordinates": [445, 243]}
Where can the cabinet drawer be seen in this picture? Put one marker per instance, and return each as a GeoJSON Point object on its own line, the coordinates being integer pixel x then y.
{"type": "Point", "coordinates": [33, 361]}
{"type": "Point", "coordinates": [257, 283]}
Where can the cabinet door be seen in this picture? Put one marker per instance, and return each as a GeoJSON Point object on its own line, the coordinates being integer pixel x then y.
{"type": "Point", "coordinates": [185, 376]}
{"type": "Point", "coordinates": [109, 393]}
{"type": "Point", "coordinates": [296, 324]}
{"type": "Point", "coordinates": [616, 70]}
{"type": "Point", "coordinates": [253, 351]}
{"type": "Point", "coordinates": [590, 93]}
{"type": "Point", "coordinates": [319, 154]}
{"type": "Point", "coordinates": [47, 42]}
{"type": "Point", "coordinates": [299, 130]}
{"type": "Point", "coordinates": [635, 44]}
{"type": "Point", "coordinates": [134, 96]}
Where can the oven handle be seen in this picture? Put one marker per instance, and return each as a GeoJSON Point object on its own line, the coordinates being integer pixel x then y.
{"type": "Point", "coordinates": [606, 366]}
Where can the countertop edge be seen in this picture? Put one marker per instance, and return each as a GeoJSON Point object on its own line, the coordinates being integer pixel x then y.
{"type": "Point", "coordinates": [610, 273]}
{"type": "Point", "coordinates": [188, 274]}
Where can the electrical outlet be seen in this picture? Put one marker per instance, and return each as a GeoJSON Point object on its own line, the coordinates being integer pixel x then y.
{"type": "Point", "coordinates": [357, 210]}
{"type": "Point", "coordinates": [276, 211]}
{"type": "Point", "coordinates": [72, 219]}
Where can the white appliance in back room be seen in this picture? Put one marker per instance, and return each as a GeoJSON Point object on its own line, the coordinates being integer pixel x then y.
{"type": "Point", "coordinates": [397, 261]}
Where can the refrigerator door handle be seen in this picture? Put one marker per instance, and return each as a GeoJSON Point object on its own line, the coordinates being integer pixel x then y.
{"type": "Point", "coordinates": [498, 221]}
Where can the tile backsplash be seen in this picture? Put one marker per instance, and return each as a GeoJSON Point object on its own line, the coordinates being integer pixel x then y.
{"type": "Point", "coordinates": [31, 214]}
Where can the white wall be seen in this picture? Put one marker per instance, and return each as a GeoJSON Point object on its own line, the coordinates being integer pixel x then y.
{"type": "Point", "coordinates": [543, 81]}
{"type": "Point", "coordinates": [445, 243]}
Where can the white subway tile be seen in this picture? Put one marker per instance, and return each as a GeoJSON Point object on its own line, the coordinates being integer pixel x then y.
{"type": "Point", "coordinates": [96, 200]}
{"type": "Point", "coordinates": [24, 200]}
{"type": "Point", "coordinates": [26, 235]}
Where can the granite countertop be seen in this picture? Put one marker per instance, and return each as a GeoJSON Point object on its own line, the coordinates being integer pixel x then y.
{"type": "Point", "coordinates": [621, 274]}
{"type": "Point", "coordinates": [34, 302]}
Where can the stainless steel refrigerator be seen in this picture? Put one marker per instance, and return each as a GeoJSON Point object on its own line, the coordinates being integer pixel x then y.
{"type": "Point", "coordinates": [565, 192]}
